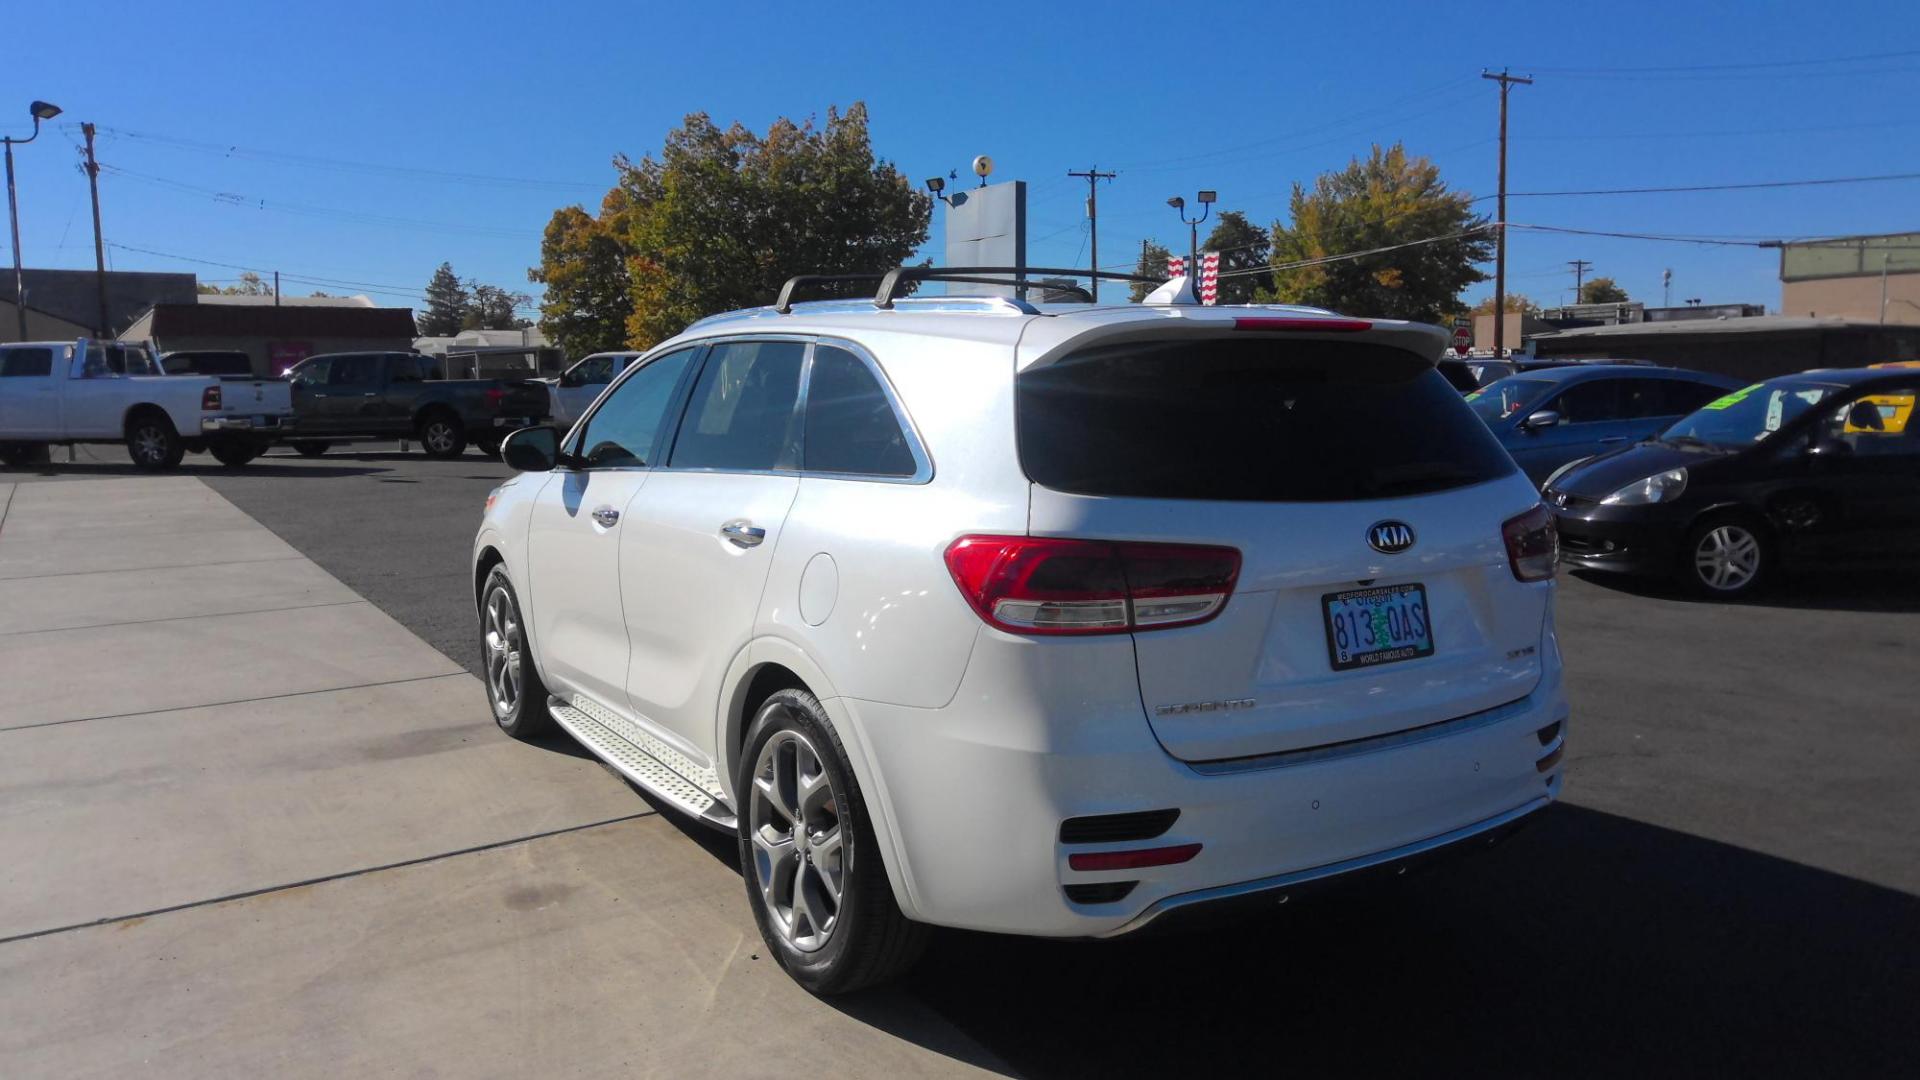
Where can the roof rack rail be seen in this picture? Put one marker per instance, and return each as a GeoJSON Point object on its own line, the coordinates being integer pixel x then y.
{"type": "Point", "coordinates": [971, 275]}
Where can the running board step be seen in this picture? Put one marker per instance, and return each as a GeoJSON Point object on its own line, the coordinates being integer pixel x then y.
{"type": "Point", "coordinates": [598, 734]}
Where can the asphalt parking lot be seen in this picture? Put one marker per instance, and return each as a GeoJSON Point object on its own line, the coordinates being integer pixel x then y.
{"type": "Point", "coordinates": [1731, 885]}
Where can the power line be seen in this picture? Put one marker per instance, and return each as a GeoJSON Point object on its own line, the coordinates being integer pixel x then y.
{"type": "Point", "coordinates": [1713, 187]}
{"type": "Point", "coordinates": [1817, 129]}
{"type": "Point", "coordinates": [1326, 259]}
{"type": "Point", "coordinates": [1645, 236]}
{"type": "Point", "coordinates": [230, 198]}
{"type": "Point", "coordinates": [314, 161]}
{"type": "Point", "coordinates": [1751, 65]}
{"type": "Point", "coordinates": [297, 278]}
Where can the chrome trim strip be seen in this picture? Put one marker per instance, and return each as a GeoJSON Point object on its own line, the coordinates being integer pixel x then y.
{"type": "Point", "coordinates": [1301, 877]}
{"type": "Point", "coordinates": [1371, 744]}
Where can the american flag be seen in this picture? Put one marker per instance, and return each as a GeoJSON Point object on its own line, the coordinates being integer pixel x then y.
{"type": "Point", "coordinates": [1209, 285]}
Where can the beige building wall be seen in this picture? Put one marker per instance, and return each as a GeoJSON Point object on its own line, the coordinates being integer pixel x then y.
{"type": "Point", "coordinates": [1854, 298]}
{"type": "Point", "coordinates": [40, 326]}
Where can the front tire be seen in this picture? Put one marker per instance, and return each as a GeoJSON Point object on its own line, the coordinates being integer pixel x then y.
{"type": "Point", "coordinates": [1728, 557]}
{"type": "Point", "coordinates": [233, 455]}
{"type": "Point", "coordinates": [811, 863]}
{"type": "Point", "coordinates": [514, 689]}
{"type": "Point", "coordinates": [442, 435]}
{"type": "Point", "coordinates": [152, 442]}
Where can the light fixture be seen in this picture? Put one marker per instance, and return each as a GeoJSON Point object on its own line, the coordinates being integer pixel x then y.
{"type": "Point", "coordinates": [936, 184]}
{"type": "Point", "coordinates": [43, 110]}
{"type": "Point", "coordinates": [1207, 197]}
{"type": "Point", "coordinates": [1177, 203]}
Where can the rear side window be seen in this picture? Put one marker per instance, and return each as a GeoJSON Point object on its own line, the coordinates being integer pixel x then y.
{"type": "Point", "coordinates": [851, 426]}
{"type": "Point", "coordinates": [355, 371]}
{"type": "Point", "coordinates": [1267, 420]}
{"type": "Point", "coordinates": [26, 363]}
{"type": "Point", "coordinates": [1589, 402]}
{"type": "Point", "coordinates": [1682, 396]}
{"type": "Point", "coordinates": [741, 415]}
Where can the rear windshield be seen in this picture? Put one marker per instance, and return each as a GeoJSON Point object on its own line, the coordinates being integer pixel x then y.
{"type": "Point", "coordinates": [1259, 419]}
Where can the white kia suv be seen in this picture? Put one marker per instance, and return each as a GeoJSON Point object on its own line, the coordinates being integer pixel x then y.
{"type": "Point", "coordinates": [1053, 619]}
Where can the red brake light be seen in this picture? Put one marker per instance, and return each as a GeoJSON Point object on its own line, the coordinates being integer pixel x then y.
{"type": "Point", "coordinates": [1533, 544]}
{"type": "Point", "coordinates": [1281, 322]}
{"type": "Point", "coordinates": [495, 396]}
{"type": "Point", "coordinates": [1132, 860]}
{"type": "Point", "coordinates": [210, 399]}
{"type": "Point", "coordinates": [1045, 585]}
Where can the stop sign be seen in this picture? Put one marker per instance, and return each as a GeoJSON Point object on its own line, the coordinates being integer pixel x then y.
{"type": "Point", "coordinates": [1462, 338]}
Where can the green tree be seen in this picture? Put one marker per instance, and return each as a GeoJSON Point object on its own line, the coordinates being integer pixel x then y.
{"type": "Point", "coordinates": [1602, 290]}
{"type": "Point", "coordinates": [490, 307]}
{"type": "Point", "coordinates": [584, 267]}
{"type": "Point", "coordinates": [1516, 303]}
{"type": "Point", "coordinates": [250, 284]}
{"type": "Point", "coordinates": [723, 217]}
{"type": "Point", "coordinates": [447, 304]}
{"type": "Point", "coordinates": [1243, 248]}
{"type": "Point", "coordinates": [1386, 201]}
{"type": "Point", "coordinates": [1153, 263]}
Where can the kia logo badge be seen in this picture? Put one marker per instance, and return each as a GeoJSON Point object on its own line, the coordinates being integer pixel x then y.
{"type": "Point", "coordinates": [1390, 537]}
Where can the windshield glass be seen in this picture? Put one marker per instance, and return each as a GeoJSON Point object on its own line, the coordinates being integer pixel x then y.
{"type": "Point", "coordinates": [1747, 416]}
{"type": "Point", "coordinates": [1498, 400]}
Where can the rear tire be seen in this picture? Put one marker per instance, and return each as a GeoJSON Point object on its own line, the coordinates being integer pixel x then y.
{"type": "Point", "coordinates": [811, 863]}
{"type": "Point", "coordinates": [152, 443]}
{"type": "Point", "coordinates": [233, 455]}
{"type": "Point", "coordinates": [514, 689]}
{"type": "Point", "coordinates": [1727, 557]}
{"type": "Point", "coordinates": [311, 449]}
{"type": "Point", "coordinates": [442, 435]}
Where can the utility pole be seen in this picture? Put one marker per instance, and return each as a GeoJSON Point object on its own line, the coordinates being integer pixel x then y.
{"type": "Point", "coordinates": [1666, 287]}
{"type": "Point", "coordinates": [99, 246]}
{"type": "Point", "coordinates": [1580, 268]}
{"type": "Point", "coordinates": [1506, 82]}
{"type": "Point", "coordinates": [1093, 177]}
{"type": "Point", "coordinates": [276, 288]}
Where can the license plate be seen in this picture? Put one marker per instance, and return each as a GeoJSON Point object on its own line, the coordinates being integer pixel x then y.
{"type": "Point", "coordinates": [1377, 626]}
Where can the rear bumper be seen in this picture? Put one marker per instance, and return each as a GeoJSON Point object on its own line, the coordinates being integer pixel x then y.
{"type": "Point", "coordinates": [972, 798]}
{"type": "Point", "coordinates": [267, 425]}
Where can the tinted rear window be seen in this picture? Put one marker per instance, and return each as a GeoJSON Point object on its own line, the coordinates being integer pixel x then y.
{"type": "Point", "coordinates": [1250, 420]}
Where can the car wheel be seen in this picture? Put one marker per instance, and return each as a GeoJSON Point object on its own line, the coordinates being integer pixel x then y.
{"type": "Point", "coordinates": [514, 689]}
{"type": "Point", "coordinates": [310, 449]}
{"type": "Point", "coordinates": [233, 455]}
{"type": "Point", "coordinates": [442, 435]}
{"type": "Point", "coordinates": [152, 442]}
{"type": "Point", "coordinates": [812, 866]}
{"type": "Point", "coordinates": [1728, 557]}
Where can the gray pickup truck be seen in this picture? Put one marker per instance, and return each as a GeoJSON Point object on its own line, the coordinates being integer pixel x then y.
{"type": "Point", "coordinates": [392, 395]}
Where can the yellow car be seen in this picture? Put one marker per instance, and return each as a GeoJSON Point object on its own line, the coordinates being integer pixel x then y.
{"type": "Point", "coordinates": [1895, 409]}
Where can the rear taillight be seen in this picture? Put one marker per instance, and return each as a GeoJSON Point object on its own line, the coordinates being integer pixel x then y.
{"type": "Point", "coordinates": [210, 399]}
{"type": "Point", "coordinates": [495, 396]}
{"type": "Point", "coordinates": [1533, 544]}
{"type": "Point", "coordinates": [1042, 585]}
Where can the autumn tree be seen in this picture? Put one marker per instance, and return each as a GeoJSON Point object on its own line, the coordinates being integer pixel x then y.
{"type": "Point", "coordinates": [250, 284]}
{"type": "Point", "coordinates": [584, 267]}
{"type": "Point", "coordinates": [490, 307]}
{"type": "Point", "coordinates": [1602, 290]}
{"type": "Point", "coordinates": [1516, 304]}
{"type": "Point", "coordinates": [447, 304]}
{"type": "Point", "coordinates": [724, 216]}
{"type": "Point", "coordinates": [1243, 248]}
{"type": "Point", "coordinates": [1153, 263]}
{"type": "Point", "coordinates": [1427, 238]}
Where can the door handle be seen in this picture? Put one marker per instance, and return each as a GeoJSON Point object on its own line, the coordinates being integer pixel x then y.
{"type": "Point", "coordinates": [607, 516]}
{"type": "Point", "coordinates": [741, 533]}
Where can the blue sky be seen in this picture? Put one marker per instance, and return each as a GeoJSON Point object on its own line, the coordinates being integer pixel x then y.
{"type": "Point", "coordinates": [1245, 99]}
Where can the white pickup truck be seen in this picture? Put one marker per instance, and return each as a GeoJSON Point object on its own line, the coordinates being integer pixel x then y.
{"type": "Point", "coordinates": [66, 392]}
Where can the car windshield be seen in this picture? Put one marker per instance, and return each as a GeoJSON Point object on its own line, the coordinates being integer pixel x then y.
{"type": "Point", "coordinates": [1498, 400]}
{"type": "Point", "coordinates": [1746, 416]}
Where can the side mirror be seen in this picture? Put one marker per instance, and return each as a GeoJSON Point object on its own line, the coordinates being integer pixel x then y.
{"type": "Point", "coordinates": [569, 379]}
{"type": "Point", "coordinates": [1545, 418]}
{"type": "Point", "coordinates": [532, 449]}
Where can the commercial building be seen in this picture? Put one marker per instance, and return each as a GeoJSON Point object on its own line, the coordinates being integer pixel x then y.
{"type": "Point", "coordinates": [1872, 279]}
{"type": "Point", "coordinates": [1757, 347]}
{"type": "Point", "coordinates": [275, 336]}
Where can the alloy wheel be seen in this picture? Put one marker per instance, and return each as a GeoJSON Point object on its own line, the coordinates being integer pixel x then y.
{"type": "Point", "coordinates": [799, 850]}
{"type": "Point", "coordinates": [1727, 557]}
{"type": "Point", "coordinates": [438, 437]}
{"type": "Point", "coordinates": [150, 443]}
{"type": "Point", "coordinates": [505, 644]}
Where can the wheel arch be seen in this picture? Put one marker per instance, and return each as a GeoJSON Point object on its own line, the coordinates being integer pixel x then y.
{"type": "Point", "coordinates": [144, 408]}
{"type": "Point", "coordinates": [430, 408]}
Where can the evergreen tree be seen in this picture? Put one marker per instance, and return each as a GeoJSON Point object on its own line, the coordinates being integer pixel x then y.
{"type": "Point", "coordinates": [447, 304]}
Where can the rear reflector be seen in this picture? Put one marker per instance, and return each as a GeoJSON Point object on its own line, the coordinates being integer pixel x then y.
{"type": "Point", "coordinates": [210, 399]}
{"type": "Point", "coordinates": [1283, 323]}
{"type": "Point", "coordinates": [1533, 544]}
{"type": "Point", "coordinates": [1132, 860]}
{"type": "Point", "coordinates": [1044, 585]}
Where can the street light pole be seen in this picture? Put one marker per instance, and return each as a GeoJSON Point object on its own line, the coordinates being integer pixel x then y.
{"type": "Point", "coordinates": [1206, 199]}
{"type": "Point", "coordinates": [41, 111]}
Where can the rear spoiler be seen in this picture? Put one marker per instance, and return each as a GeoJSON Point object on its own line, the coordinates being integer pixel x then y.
{"type": "Point", "coordinates": [1046, 340]}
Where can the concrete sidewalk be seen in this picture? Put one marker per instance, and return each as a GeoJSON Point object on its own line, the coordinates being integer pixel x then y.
{"type": "Point", "coordinates": [253, 826]}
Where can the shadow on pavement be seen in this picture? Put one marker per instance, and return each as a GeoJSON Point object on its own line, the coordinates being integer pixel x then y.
{"type": "Point", "coordinates": [1589, 944]}
{"type": "Point", "coordinates": [1852, 588]}
{"type": "Point", "coordinates": [204, 468]}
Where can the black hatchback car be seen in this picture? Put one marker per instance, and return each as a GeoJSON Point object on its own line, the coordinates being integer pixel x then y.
{"type": "Point", "coordinates": [1820, 465]}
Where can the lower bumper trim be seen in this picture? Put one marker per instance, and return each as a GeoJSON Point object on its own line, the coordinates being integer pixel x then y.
{"type": "Point", "coordinates": [1251, 891]}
